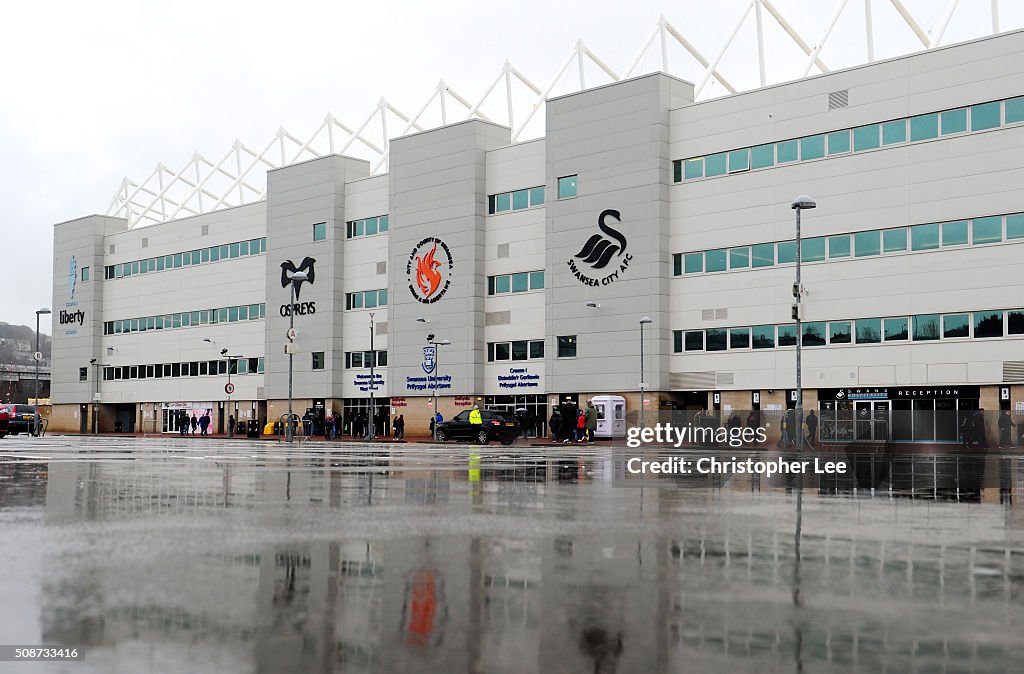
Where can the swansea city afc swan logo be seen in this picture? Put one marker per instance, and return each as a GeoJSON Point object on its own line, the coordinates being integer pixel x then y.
{"type": "Point", "coordinates": [429, 270]}
{"type": "Point", "coordinates": [601, 249]}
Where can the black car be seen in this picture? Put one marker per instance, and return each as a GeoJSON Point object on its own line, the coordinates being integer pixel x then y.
{"type": "Point", "coordinates": [22, 419]}
{"type": "Point", "coordinates": [496, 426]}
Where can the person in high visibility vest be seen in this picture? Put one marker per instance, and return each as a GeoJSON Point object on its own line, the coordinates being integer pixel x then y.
{"type": "Point", "coordinates": [475, 417]}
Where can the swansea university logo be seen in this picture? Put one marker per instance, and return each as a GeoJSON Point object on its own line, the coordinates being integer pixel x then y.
{"type": "Point", "coordinates": [429, 270]}
{"type": "Point", "coordinates": [288, 270]}
{"type": "Point", "coordinates": [72, 277]}
{"type": "Point", "coordinates": [599, 250]}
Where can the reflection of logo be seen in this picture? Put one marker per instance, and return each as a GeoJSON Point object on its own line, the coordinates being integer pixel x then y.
{"type": "Point", "coordinates": [288, 269]}
{"type": "Point", "coordinates": [840, 394]}
{"type": "Point", "coordinates": [429, 270]}
{"type": "Point", "coordinates": [597, 251]}
{"type": "Point", "coordinates": [72, 277]}
{"type": "Point", "coordinates": [429, 359]}
{"type": "Point", "coordinates": [424, 609]}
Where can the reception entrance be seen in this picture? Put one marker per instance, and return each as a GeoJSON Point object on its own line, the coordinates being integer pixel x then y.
{"type": "Point", "coordinates": [897, 414]}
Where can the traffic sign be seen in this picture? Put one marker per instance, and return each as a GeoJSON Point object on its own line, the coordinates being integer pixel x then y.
{"type": "Point", "coordinates": [38, 355]}
{"type": "Point", "coordinates": [229, 388]}
{"type": "Point", "coordinates": [292, 333]}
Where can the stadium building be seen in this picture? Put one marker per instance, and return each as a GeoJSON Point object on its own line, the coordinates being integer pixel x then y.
{"type": "Point", "coordinates": [537, 261]}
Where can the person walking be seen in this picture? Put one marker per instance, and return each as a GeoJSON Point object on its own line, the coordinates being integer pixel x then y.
{"type": "Point", "coordinates": [554, 422]}
{"type": "Point", "coordinates": [204, 423]}
{"type": "Point", "coordinates": [194, 423]}
{"type": "Point", "coordinates": [568, 425]}
{"type": "Point", "coordinates": [812, 428]}
{"type": "Point", "coordinates": [182, 422]}
{"type": "Point", "coordinates": [980, 432]}
{"type": "Point", "coordinates": [590, 421]}
{"type": "Point", "coordinates": [400, 427]}
{"type": "Point", "coordinates": [581, 426]}
{"type": "Point", "coordinates": [967, 430]}
{"type": "Point", "coordinates": [783, 421]}
{"type": "Point", "coordinates": [1005, 424]}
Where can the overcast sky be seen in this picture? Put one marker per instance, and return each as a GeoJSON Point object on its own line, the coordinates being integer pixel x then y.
{"type": "Point", "coordinates": [93, 92]}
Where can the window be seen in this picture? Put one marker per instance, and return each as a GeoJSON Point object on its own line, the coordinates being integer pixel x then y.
{"type": "Point", "coordinates": [739, 338]}
{"type": "Point", "coordinates": [987, 230]}
{"type": "Point", "coordinates": [988, 324]}
{"type": "Point", "coordinates": [519, 282]}
{"type": "Point", "coordinates": [536, 280]}
{"type": "Point", "coordinates": [739, 160]}
{"type": "Point", "coordinates": [895, 329]}
{"type": "Point", "coordinates": [371, 226]}
{"type": "Point", "coordinates": [364, 227]}
{"type": "Point", "coordinates": [812, 250]}
{"type": "Point", "coordinates": [869, 331]}
{"type": "Point", "coordinates": [716, 339]}
{"type": "Point", "coordinates": [812, 147]}
{"type": "Point", "coordinates": [954, 233]}
{"type": "Point", "coordinates": [677, 341]}
{"type": "Point", "coordinates": [763, 254]}
{"type": "Point", "coordinates": [693, 168]}
{"type": "Point", "coordinates": [85, 274]}
{"type": "Point", "coordinates": [536, 196]}
{"type": "Point", "coordinates": [814, 333]}
{"type": "Point", "coordinates": [715, 165]}
{"type": "Point", "coordinates": [739, 258]}
{"type": "Point", "coordinates": [318, 360]}
{"type": "Point", "coordinates": [839, 332]}
{"type": "Point", "coordinates": [839, 142]}
{"type": "Point", "coordinates": [499, 203]}
{"type": "Point", "coordinates": [956, 325]}
{"type": "Point", "coordinates": [1015, 226]}
{"type": "Point", "coordinates": [787, 335]}
{"type": "Point", "coordinates": [537, 348]}
{"type": "Point", "coordinates": [694, 263]}
{"type": "Point", "coordinates": [894, 240]}
{"type": "Point", "coordinates": [714, 260]}
{"type": "Point", "coordinates": [786, 151]}
{"type": "Point", "coordinates": [924, 237]}
{"type": "Point", "coordinates": [1015, 322]}
{"type": "Point", "coordinates": [1015, 110]}
{"type": "Point", "coordinates": [953, 121]}
{"type": "Point", "coordinates": [894, 132]}
{"type": "Point", "coordinates": [677, 264]}
{"type": "Point", "coordinates": [567, 346]}
{"type": "Point", "coordinates": [785, 252]}
{"type": "Point", "coordinates": [926, 327]}
{"type": "Point", "coordinates": [83, 374]}
{"type": "Point", "coordinates": [866, 243]}
{"type": "Point", "coordinates": [520, 200]}
{"type": "Point", "coordinates": [520, 350]}
{"type": "Point", "coordinates": [865, 137]}
{"type": "Point", "coordinates": [924, 127]}
{"type": "Point", "coordinates": [985, 116]}
{"type": "Point", "coordinates": [839, 246]}
{"type": "Point", "coordinates": [762, 156]}
{"type": "Point", "coordinates": [694, 340]}
{"type": "Point", "coordinates": [763, 336]}
{"type": "Point", "coordinates": [567, 187]}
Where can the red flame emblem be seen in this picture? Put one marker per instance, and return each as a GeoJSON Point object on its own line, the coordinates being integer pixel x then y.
{"type": "Point", "coordinates": [427, 277]}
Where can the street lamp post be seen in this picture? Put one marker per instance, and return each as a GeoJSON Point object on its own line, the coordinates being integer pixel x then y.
{"type": "Point", "coordinates": [297, 278]}
{"type": "Point", "coordinates": [643, 321]}
{"type": "Point", "coordinates": [437, 363]}
{"type": "Point", "coordinates": [371, 432]}
{"type": "Point", "coordinates": [38, 357]}
{"type": "Point", "coordinates": [800, 203]}
{"type": "Point", "coordinates": [96, 365]}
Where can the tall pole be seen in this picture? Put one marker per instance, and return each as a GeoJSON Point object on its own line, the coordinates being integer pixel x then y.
{"type": "Point", "coordinates": [372, 430]}
{"type": "Point", "coordinates": [291, 358]}
{"type": "Point", "coordinates": [35, 421]}
{"type": "Point", "coordinates": [437, 365]}
{"type": "Point", "coordinates": [798, 291]}
{"type": "Point", "coordinates": [642, 382]}
{"type": "Point", "coordinates": [96, 385]}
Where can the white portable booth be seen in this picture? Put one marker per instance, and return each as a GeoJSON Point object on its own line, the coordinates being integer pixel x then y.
{"type": "Point", "coordinates": [611, 416]}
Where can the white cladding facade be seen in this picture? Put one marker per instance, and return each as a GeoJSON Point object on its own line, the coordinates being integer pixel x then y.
{"type": "Point", "coordinates": [468, 214]}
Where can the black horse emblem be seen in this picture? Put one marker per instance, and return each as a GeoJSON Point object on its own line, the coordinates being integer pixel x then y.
{"type": "Point", "coordinates": [597, 251]}
{"type": "Point", "coordinates": [288, 268]}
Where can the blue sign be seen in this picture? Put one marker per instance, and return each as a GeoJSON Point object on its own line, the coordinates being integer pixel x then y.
{"type": "Point", "coordinates": [518, 377]}
{"type": "Point", "coordinates": [363, 382]}
{"type": "Point", "coordinates": [443, 381]}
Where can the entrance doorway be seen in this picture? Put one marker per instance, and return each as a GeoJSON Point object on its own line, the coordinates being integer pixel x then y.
{"type": "Point", "coordinates": [535, 405]}
{"type": "Point", "coordinates": [83, 419]}
{"type": "Point", "coordinates": [855, 420]}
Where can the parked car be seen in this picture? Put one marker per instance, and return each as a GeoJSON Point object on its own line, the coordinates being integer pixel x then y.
{"type": "Point", "coordinates": [496, 425]}
{"type": "Point", "coordinates": [5, 420]}
{"type": "Point", "coordinates": [22, 418]}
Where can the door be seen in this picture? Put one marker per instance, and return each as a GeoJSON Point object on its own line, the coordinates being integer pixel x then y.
{"type": "Point", "coordinates": [83, 419]}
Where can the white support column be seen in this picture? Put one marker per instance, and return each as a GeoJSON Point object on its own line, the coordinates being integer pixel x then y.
{"type": "Point", "coordinates": [760, 41]}
{"type": "Point", "coordinates": [869, 29]}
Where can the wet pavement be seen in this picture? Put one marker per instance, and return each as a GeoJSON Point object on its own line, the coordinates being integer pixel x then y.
{"type": "Point", "coordinates": [157, 555]}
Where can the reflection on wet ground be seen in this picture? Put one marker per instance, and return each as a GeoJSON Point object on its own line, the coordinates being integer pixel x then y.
{"type": "Point", "coordinates": [246, 557]}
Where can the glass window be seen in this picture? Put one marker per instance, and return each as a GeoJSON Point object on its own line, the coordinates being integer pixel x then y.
{"type": "Point", "coordinates": [985, 116]}
{"type": "Point", "coordinates": [812, 147]}
{"type": "Point", "coordinates": [839, 142]}
{"type": "Point", "coordinates": [956, 325]}
{"type": "Point", "coordinates": [923, 127]}
{"type": "Point", "coordinates": [716, 339]}
{"type": "Point", "coordinates": [243, 313]}
{"type": "Point", "coordinates": [924, 237]}
{"type": "Point", "coordinates": [839, 332]}
{"type": "Point", "coordinates": [763, 254]}
{"type": "Point", "coordinates": [503, 202]}
{"type": "Point", "coordinates": [787, 335]}
{"type": "Point", "coordinates": [85, 273]}
{"type": "Point", "coordinates": [204, 255]}
{"type": "Point", "coordinates": [693, 168]}
{"type": "Point", "coordinates": [869, 331]}
{"type": "Point", "coordinates": [1014, 110]}
{"type": "Point", "coordinates": [739, 338]}
{"type": "Point", "coordinates": [987, 230]}
{"type": "Point", "coordinates": [502, 284]}
{"type": "Point", "coordinates": [536, 280]}
{"type": "Point", "coordinates": [567, 187]}
{"type": "Point", "coordinates": [763, 336]}
{"type": "Point", "coordinates": [785, 252]}
{"type": "Point", "coordinates": [954, 233]}
{"type": "Point", "coordinates": [894, 132]}
{"type": "Point", "coordinates": [371, 226]}
{"type": "Point", "coordinates": [694, 263]}
{"type": "Point", "coordinates": [214, 257]}
{"type": "Point", "coordinates": [739, 160]}
{"type": "Point", "coordinates": [1015, 226]}
{"type": "Point", "coordinates": [234, 250]}
{"type": "Point", "coordinates": [762, 156]}
{"type": "Point", "coordinates": [358, 227]}
{"type": "Point", "coordinates": [357, 300]}
{"type": "Point", "coordinates": [739, 258]}
{"type": "Point", "coordinates": [953, 121]}
{"type": "Point", "coordinates": [866, 243]}
{"type": "Point", "coordinates": [369, 299]}
{"type": "Point", "coordinates": [812, 250]}
{"type": "Point", "coordinates": [520, 199]}
{"type": "Point", "coordinates": [520, 350]}
{"type": "Point", "coordinates": [1015, 322]}
{"type": "Point", "coordinates": [895, 329]}
{"type": "Point", "coordinates": [714, 260]}
{"type": "Point", "coordinates": [677, 264]}
{"type": "Point", "coordinates": [894, 240]}
{"type": "Point", "coordinates": [502, 351]}
{"type": "Point", "coordinates": [865, 137]}
{"type": "Point", "coordinates": [988, 324]}
{"type": "Point", "coordinates": [160, 263]}
{"type": "Point", "coordinates": [318, 360]}
{"type": "Point", "coordinates": [839, 246]}
{"type": "Point", "coordinates": [786, 151]}
{"type": "Point", "coordinates": [177, 260]}
{"type": "Point", "coordinates": [714, 165]}
{"type": "Point", "coordinates": [677, 341]}
{"type": "Point", "coordinates": [520, 282]}
{"type": "Point", "coordinates": [694, 340]}
{"type": "Point", "coordinates": [232, 314]}
{"type": "Point", "coordinates": [254, 247]}
{"type": "Point", "coordinates": [926, 327]}
{"type": "Point", "coordinates": [254, 312]}
{"type": "Point", "coordinates": [537, 348]}
{"type": "Point", "coordinates": [814, 333]}
{"type": "Point", "coordinates": [567, 346]}
{"type": "Point", "coordinates": [536, 198]}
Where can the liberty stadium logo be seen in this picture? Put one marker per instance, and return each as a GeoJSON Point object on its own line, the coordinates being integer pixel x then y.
{"type": "Point", "coordinates": [72, 277]}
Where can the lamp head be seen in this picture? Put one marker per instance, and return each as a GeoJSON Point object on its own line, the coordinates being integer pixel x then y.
{"type": "Point", "coordinates": [44, 310]}
{"type": "Point", "coordinates": [223, 352]}
{"type": "Point", "coordinates": [420, 319]}
{"type": "Point", "coordinates": [803, 201]}
{"type": "Point", "coordinates": [593, 305]}
{"type": "Point", "coordinates": [299, 276]}
{"type": "Point", "coordinates": [646, 319]}
{"type": "Point", "coordinates": [430, 337]}
{"type": "Point", "coordinates": [92, 361]}
{"type": "Point", "coordinates": [445, 342]}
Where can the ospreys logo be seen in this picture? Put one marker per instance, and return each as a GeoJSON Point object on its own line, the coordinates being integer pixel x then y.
{"type": "Point", "coordinates": [429, 270]}
{"type": "Point", "coordinates": [72, 277]}
{"type": "Point", "coordinates": [599, 250]}
{"type": "Point", "coordinates": [288, 270]}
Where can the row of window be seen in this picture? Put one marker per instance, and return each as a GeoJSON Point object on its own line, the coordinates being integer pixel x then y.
{"type": "Point", "coordinates": [520, 282]}
{"type": "Point", "coordinates": [366, 227]}
{"type": "Point", "coordinates": [975, 231]}
{"type": "Point", "coordinates": [517, 350]}
{"type": "Point", "coordinates": [973, 118]}
{"type": "Point", "coordinates": [920, 328]}
{"type": "Point", "coordinates": [366, 299]}
{"type": "Point", "coordinates": [364, 359]}
{"type": "Point", "coordinates": [515, 201]}
{"type": "Point", "coordinates": [202, 368]}
{"type": "Point", "coordinates": [227, 251]}
{"type": "Point", "coordinates": [186, 319]}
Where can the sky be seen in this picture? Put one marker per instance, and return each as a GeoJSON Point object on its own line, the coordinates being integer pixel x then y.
{"type": "Point", "coordinates": [94, 92]}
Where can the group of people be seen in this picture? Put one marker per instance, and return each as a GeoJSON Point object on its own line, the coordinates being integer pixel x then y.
{"type": "Point", "coordinates": [336, 425]}
{"type": "Point", "coordinates": [790, 428]}
{"type": "Point", "coordinates": [569, 423]}
{"type": "Point", "coordinates": [187, 425]}
{"type": "Point", "coordinates": [972, 430]}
